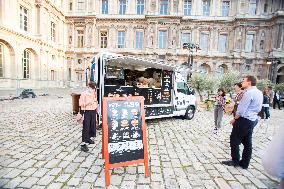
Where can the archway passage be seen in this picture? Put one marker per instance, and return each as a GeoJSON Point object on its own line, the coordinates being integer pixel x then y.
{"type": "Point", "coordinates": [205, 68]}
{"type": "Point", "coordinates": [280, 75]}
{"type": "Point", "coordinates": [7, 60]}
{"type": "Point", "coordinates": [222, 69]}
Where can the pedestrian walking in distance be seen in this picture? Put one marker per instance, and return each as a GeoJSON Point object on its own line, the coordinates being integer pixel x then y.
{"type": "Point", "coordinates": [244, 123]}
{"type": "Point", "coordinates": [219, 108]}
{"type": "Point", "coordinates": [88, 103]}
{"type": "Point", "coordinates": [239, 91]}
{"type": "Point", "coordinates": [271, 95]}
{"type": "Point", "coordinates": [276, 100]}
{"type": "Point", "coordinates": [265, 105]}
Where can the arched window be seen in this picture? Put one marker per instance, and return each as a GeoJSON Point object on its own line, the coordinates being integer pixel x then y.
{"type": "Point", "coordinates": [221, 70]}
{"type": "Point", "coordinates": [26, 64]}
{"type": "Point", "coordinates": [1, 60]}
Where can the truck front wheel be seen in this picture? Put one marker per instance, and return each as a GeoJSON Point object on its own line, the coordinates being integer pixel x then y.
{"type": "Point", "coordinates": [189, 114]}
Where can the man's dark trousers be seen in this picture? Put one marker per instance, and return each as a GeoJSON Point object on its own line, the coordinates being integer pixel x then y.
{"type": "Point", "coordinates": [242, 133]}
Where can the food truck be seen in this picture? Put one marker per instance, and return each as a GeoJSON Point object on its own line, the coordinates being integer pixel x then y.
{"type": "Point", "coordinates": [164, 89]}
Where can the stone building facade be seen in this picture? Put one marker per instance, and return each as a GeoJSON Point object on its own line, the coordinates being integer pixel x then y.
{"type": "Point", "coordinates": [50, 43]}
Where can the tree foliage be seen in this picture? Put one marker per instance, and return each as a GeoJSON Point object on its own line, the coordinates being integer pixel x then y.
{"type": "Point", "coordinates": [204, 83]}
{"type": "Point", "coordinates": [279, 87]}
{"type": "Point", "coordinates": [228, 80]}
{"type": "Point", "coordinates": [263, 83]}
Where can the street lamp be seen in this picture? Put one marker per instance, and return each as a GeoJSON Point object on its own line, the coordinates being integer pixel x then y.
{"type": "Point", "coordinates": [191, 47]}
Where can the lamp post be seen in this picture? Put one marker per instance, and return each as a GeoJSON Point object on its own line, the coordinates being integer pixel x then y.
{"type": "Point", "coordinates": [191, 47]}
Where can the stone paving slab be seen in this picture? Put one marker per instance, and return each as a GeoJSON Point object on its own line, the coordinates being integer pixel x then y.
{"type": "Point", "coordinates": [40, 148]}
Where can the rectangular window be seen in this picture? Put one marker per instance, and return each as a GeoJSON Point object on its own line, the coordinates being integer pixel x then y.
{"type": "Point", "coordinates": [162, 39]}
{"type": "Point", "coordinates": [164, 4]}
{"type": "Point", "coordinates": [186, 38]}
{"type": "Point", "coordinates": [140, 7]}
{"type": "Point", "coordinates": [103, 39]}
{"type": "Point", "coordinates": [79, 76]}
{"type": "Point", "coordinates": [206, 7]}
{"type": "Point", "coordinates": [122, 7]}
{"type": "Point", "coordinates": [252, 7]}
{"type": "Point", "coordinates": [139, 40]}
{"type": "Point", "coordinates": [104, 6]}
{"type": "Point", "coordinates": [265, 7]}
{"type": "Point", "coordinates": [121, 39]}
{"type": "Point", "coordinates": [225, 8]}
{"type": "Point", "coordinates": [1, 61]}
{"type": "Point", "coordinates": [80, 41]}
{"type": "Point", "coordinates": [81, 5]}
{"type": "Point", "coordinates": [222, 43]}
{"type": "Point", "coordinates": [204, 41]}
{"type": "Point", "coordinates": [52, 31]}
{"type": "Point", "coordinates": [23, 18]}
{"type": "Point", "coordinates": [249, 42]}
{"type": "Point", "coordinates": [52, 75]}
{"type": "Point", "coordinates": [187, 7]}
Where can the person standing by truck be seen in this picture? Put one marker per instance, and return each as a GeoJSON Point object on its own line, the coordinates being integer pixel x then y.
{"type": "Point", "coordinates": [219, 109]}
{"type": "Point", "coordinates": [88, 103]}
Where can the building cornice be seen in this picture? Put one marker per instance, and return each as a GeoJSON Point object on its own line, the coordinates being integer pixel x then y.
{"type": "Point", "coordinates": [37, 41]}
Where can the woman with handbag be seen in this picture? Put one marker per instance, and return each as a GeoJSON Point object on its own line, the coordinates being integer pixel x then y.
{"type": "Point", "coordinates": [88, 103]}
{"type": "Point", "coordinates": [219, 109]}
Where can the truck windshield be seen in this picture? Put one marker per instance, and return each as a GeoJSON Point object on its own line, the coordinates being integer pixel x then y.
{"type": "Point", "coordinates": [182, 88]}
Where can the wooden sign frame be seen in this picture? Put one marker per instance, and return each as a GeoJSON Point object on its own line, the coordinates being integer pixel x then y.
{"type": "Point", "coordinates": [105, 151]}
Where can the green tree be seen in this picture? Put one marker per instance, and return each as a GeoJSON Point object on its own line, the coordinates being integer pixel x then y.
{"type": "Point", "coordinates": [204, 83]}
{"type": "Point", "coordinates": [279, 87]}
{"type": "Point", "coordinates": [228, 80]}
{"type": "Point", "coordinates": [263, 83]}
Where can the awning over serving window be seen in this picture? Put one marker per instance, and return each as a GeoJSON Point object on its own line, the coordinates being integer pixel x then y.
{"type": "Point", "coordinates": [133, 62]}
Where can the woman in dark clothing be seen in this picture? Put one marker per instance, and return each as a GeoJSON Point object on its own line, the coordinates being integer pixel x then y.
{"type": "Point", "coordinates": [265, 105]}
{"type": "Point", "coordinates": [89, 104]}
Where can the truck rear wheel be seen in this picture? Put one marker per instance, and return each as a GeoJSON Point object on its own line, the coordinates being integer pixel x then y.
{"type": "Point", "coordinates": [190, 111]}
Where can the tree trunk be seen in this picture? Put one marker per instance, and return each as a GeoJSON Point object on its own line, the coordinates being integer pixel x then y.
{"type": "Point", "coordinates": [200, 96]}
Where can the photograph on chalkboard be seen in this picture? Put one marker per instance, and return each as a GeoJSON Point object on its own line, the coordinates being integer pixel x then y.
{"type": "Point", "coordinates": [125, 135]}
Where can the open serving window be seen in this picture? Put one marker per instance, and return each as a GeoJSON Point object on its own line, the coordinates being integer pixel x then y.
{"type": "Point", "coordinates": [127, 76]}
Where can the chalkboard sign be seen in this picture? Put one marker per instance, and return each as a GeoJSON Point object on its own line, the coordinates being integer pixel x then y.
{"type": "Point", "coordinates": [166, 88]}
{"type": "Point", "coordinates": [124, 133]}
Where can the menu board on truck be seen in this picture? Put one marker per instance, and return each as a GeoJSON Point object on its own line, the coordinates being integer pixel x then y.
{"type": "Point", "coordinates": [166, 88]}
{"type": "Point", "coordinates": [124, 133]}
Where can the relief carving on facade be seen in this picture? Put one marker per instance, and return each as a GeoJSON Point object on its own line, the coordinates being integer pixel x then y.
{"type": "Point", "coordinates": [151, 36]}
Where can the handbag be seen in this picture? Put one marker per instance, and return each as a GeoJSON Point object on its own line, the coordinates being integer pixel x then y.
{"type": "Point", "coordinates": [80, 117]}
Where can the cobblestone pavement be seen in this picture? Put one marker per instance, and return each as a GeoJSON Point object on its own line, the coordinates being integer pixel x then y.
{"type": "Point", "coordinates": [40, 148]}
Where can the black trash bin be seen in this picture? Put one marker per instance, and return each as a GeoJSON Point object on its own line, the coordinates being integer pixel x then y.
{"type": "Point", "coordinates": [75, 102]}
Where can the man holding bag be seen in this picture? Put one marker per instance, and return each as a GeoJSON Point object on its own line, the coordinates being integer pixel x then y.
{"type": "Point", "coordinates": [89, 104]}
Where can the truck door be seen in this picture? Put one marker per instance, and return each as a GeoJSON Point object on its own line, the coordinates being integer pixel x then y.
{"type": "Point", "coordinates": [181, 98]}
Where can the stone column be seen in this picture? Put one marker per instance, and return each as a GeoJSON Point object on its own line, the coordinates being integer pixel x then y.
{"type": "Point", "coordinates": [112, 41]}
{"type": "Point", "coordinates": [38, 21]}
{"type": "Point", "coordinates": [157, 7]}
{"type": "Point", "coordinates": [171, 7]}
{"type": "Point", "coordinates": [180, 8]}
